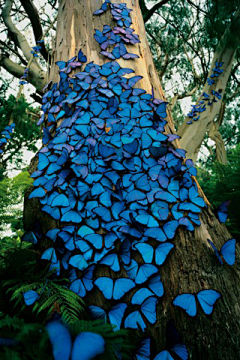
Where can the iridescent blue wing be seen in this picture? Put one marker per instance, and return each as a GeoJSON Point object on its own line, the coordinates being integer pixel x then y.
{"type": "Point", "coordinates": [116, 315]}
{"type": "Point", "coordinates": [146, 251]}
{"type": "Point", "coordinates": [135, 321]}
{"type": "Point", "coordinates": [89, 345]}
{"type": "Point", "coordinates": [144, 351]}
{"type": "Point", "coordinates": [144, 273]}
{"type": "Point", "coordinates": [141, 295]}
{"type": "Point", "coordinates": [121, 287]}
{"type": "Point", "coordinates": [105, 285]}
{"type": "Point", "coordinates": [60, 339]}
{"type": "Point", "coordinates": [181, 351]}
{"type": "Point", "coordinates": [164, 355]}
{"type": "Point", "coordinates": [97, 313]}
{"type": "Point", "coordinates": [30, 297]}
{"type": "Point", "coordinates": [187, 302]}
{"type": "Point", "coordinates": [228, 251]}
{"type": "Point", "coordinates": [222, 211]}
{"type": "Point", "coordinates": [148, 308]}
{"type": "Point", "coordinates": [170, 228]}
{"type": "Point", "coordinates": [30, 237]}
{"type": "Point", "coordinates": [112, 261]}
{"type": "Point", "coordinates": [156, 285]}
{"type": "Point", "coordinates": [207, 299]}
{"type": "Point", "coordinates": [162, 251]}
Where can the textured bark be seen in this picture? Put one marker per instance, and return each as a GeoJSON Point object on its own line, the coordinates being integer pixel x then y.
{"type": "Point", "coordinates": [192, 266]}
{"type": "Point", "coordinates": [192, 136]}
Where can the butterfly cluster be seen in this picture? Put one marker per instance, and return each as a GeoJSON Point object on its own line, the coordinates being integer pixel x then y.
{"type": "Point", "coordinates": [207, 99]}
{"type": "Point", "coordinates": [5, 136]}
{"type": "Point", "coordinates": [119, 36]}
{"type": "Point", "coordinates": [115, 184]}
{"type": "Point", "coordinates": [35, 53]}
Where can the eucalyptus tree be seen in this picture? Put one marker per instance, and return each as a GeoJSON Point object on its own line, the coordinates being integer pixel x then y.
{"type": "Point", "coordinates": [90, 170]}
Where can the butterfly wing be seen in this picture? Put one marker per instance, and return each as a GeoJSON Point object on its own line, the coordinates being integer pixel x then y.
{"type": "Point", "coordinates": [228, 251]}
{"type": "Point", "coordinates": [187, 302]}
{"type": "Point", "coordinates": [164, 355]}
{"type": "Point", "coordinates": [143, 353]}
{"type": "Point", "coordinates": [156, 285]}
{"type": "Point", "coordinates": [121, 287]}
{"type": "Point", "coordinates": [97, 313]}
{"type": "Point", "coordinates": [148, 308]}
{"type": "Point", "coordinates": [116, 315]}
{"type": "Point", "coordinates": [207, 299]}
{"type": "Point", "coordinates": [162, 252]}
{"type": "Point", "coordinates": [105, 285]}
{"type": "Point", "coordinates": [30, 297]}
{"type": "Point", "coordinates": [181, 351]}
{"type": "Point", "coordinates": [60, 339]}
{"type": "Point", "coordinates": [141, 295]}
{"type": "Point", "coordinates": [89, 345]}
{"type": "Point", "coordinates": [134, 321]}
{"type": "Point", "coordinates": [222, 211]}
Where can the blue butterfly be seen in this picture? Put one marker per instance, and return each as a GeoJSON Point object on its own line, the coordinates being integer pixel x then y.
{"type": "Point", "coordinates": [88, 344]}
{"type": "Point", "coordinates": [227, 251]}
{"type": "Point", "coordinates": [143, 352]}
{"type": "Point", "coordinates": [30, 297]}
{"type": "Point", "coordinates": [140, 273]}
{"type": "Point", "coordinates": [135, 320]}
{"type": "Point", "coordinates": [222, 211]}
{"type": "Point", "coordinates": [115, 314]}
{"type": "Point", "coordinates": [162, 251]}
{"type": "Point", "coordinates": [84, 284]}
{"type": "Point", "coordinates": [206, 298]}
{"type": "Point", "coordinates": [114, 290]}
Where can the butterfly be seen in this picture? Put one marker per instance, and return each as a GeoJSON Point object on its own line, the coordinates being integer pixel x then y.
{"type": "Point", "coordinates": [115, 314]}
{"type": "Point", "coordinates": [114, 290]}
{"type": "Point", "coordinates": [175, 346]}
{"type": "Point", "coordinates": [148, 308]}
{"type": "Point", "coordinates": [206, 298]}
{"type": "Point", "coordinates": [88, 344]}
{"type": "Point", "coordinates": [84, 284]}
{"type": "Point", "coordinates": [227, 251]}
{"type": "Point", "coordinates": [143, 352]}
{"type": "Point", "coordinates": [30, 297]}
{"type": "Point", "coordinates": [222, 212]}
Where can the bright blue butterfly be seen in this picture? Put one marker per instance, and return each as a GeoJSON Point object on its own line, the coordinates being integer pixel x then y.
{"type": "Point", "coordinates": [206, 298]}
{"type": "Point", "coordinates": [114, 290]}
{"type": "Point", "coordinates": [135, 320]}
{"type": "Point", "coordinates": [228, 251]}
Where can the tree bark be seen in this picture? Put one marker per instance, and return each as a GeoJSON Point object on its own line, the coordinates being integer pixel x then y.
{"type": "Point", "coordinates": [193, 135]}
{"type": "Point", "coordinates": [192, 266]}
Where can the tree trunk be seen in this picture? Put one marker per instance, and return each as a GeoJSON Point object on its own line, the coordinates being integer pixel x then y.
{"type": "Point", "coordinates": [193, 135]}
{"type": "Point", "coordinates": [192, 266]}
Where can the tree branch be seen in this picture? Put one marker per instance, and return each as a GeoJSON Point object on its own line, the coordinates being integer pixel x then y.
{"type": "Point", "coordinates": [33, 15]}
{"type": "Point", "coordinates": [37, 79]}
{"type": "Point", "coordinates": [19, 39]}
{"type": "Point", "coordinates": [147, 13]}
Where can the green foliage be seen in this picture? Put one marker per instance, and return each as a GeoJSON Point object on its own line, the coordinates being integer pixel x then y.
{"type": "Point", "coordinates": [20, 271]}
{"type": "Point", "coordinates": [26, 131]}
{"type": "Point", "coordinates": [11, 200]}
{"type": "Point", "coordinates": [222, 182]}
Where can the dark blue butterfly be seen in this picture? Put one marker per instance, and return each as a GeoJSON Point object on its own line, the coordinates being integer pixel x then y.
{"type": "Point", "coordinates": [144, 350]}
{"type": "Point", "coordinates": [222, 211]}
{"type": "Point", "coordinates": [175, 345]}
{"type": "Point", "coordinates": [227, 251]}
{"type": "Point", "coordinates": [206, 298]}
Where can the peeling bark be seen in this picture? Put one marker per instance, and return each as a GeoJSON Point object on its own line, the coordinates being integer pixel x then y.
{"type": "Point", "coordinates": [193, 135]}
